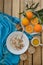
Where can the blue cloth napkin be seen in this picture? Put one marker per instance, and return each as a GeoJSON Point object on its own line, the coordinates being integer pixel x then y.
{"type": "Point", "coordinates": [6, 27]}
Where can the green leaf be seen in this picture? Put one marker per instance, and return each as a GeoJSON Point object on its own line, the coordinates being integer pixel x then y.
{"type": "Point", "coordinates": [41, 20]}
{"type": "Point", "coordinates": [32, 5]}
{"type": "Point", "coordinates": [36, 6]}
{"type": "Point", "coordinates": [21, 12]}
{"type": "Point", "coordinates": [40, 12]}
{"type": "Point", "coordinates": [26, 5]}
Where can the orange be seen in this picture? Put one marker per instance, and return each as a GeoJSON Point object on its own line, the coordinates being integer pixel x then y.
{"type": "Point", "coordinates": [34, 21]}
{"type": "Point", "coordinates": [29, 29]}
{"type": "Point", "coordinates": [29, 14]}
{"type": "Point", "coordinates": [25, 21]}
{"type": "Point", "coordinates": [37, 28]}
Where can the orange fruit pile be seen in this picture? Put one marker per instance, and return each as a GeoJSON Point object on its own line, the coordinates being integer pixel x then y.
{"type": "Point", "coordinates": [31, 25]}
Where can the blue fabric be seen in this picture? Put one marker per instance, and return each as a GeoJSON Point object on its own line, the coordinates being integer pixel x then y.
{"type": "Point", "coordinates": [6, 27]}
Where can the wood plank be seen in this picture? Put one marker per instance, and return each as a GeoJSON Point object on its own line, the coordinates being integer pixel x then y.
{"type": "Point", "coordinates": [22, 6]}
{"type": "Point", "coordinates": [26, 61]}
{"type": "Point", "coordinates": [42, 47]}
{"type": "Point", "coordinates": [1, 5]}
{"type": "Point", "coordinates": [15, 8]}
{"type": "Point", "coordinates": [42, 32]}
{"type": "Point", "coordinates": [37, 55]}
{"type": "Point", "coordinates": [7, 6]}
{"type": "Point", "coordinates": [41, 1]}
{"type": "Point", "coordinates": [30, 59]}
{"type": "Point", "coordinates": [21, 62]}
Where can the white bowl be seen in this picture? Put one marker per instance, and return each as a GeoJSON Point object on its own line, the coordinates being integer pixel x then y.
{"type": "Point", "coordinates": [25, 42]}
{"type": "Point", "coordinates": [32, 41]}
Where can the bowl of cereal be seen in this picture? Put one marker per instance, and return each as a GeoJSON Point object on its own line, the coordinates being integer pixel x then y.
{"type": "Point", "coordinates": [17, 42]}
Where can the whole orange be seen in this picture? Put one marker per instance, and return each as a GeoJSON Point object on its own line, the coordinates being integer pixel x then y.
{"type": "Point", "coordinates": [37, 28]}
{"type": "Point", "coordinates": [29, 14]}
{"type": "Point", "coordinates": [25, 21]}
{"type": "Point", "coordinates": [29, 29]}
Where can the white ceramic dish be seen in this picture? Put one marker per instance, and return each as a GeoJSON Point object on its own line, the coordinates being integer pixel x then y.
{"type": "Point", "coordinates": [25, 42]}
{"type": "Point", "coordinates": [31, 24]}
{"type": "Point", "coordinates": [32, 41]}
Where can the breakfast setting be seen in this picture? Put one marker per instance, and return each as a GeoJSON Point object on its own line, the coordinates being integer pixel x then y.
{"type": "Point", "coordinates": [20, 37]}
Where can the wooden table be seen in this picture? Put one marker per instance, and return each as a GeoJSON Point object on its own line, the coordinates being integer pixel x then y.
{"type": "Point", "coordinates": [37, 57]}
{"type": "Point", "coordinates": [13, 7]}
